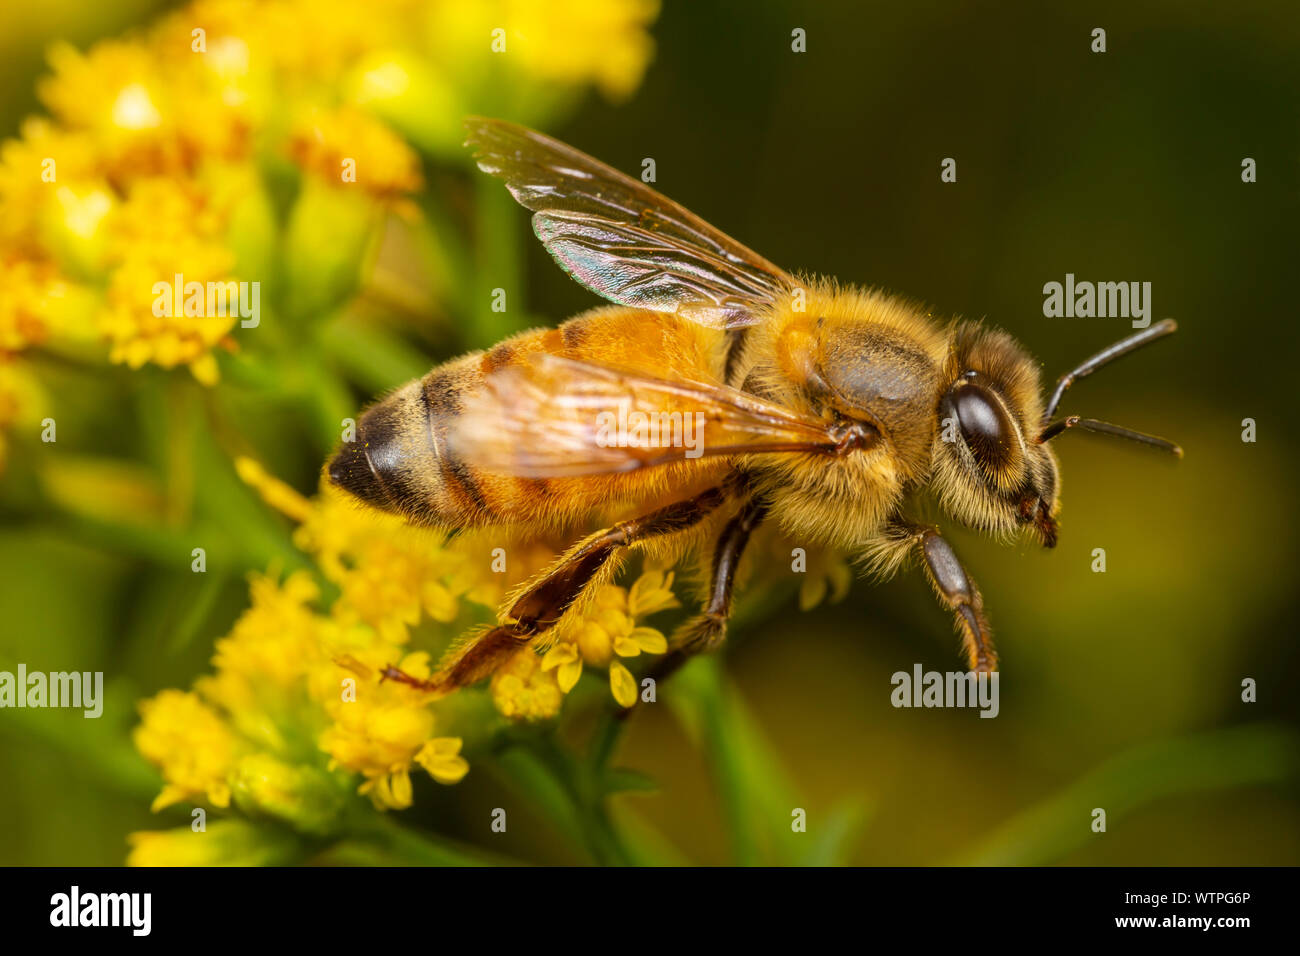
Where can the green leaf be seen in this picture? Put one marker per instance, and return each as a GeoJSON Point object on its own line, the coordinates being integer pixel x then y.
{"type": "Point", "coordinates": [834, 837]}
{"type": "Point", "coordinates": [757, 796]}
{"type": "Point", "coordinates": [619, 779]}
{"type": "Point", "coordinates": [1243, 756]}
{"type": "Point", "coordinates": [370, 356]}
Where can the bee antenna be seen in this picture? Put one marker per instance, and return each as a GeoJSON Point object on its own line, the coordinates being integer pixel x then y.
{"type": "Point", "coordinates": [1105, 357]}
{"type": "Point", "coordinates": [1106, 428]}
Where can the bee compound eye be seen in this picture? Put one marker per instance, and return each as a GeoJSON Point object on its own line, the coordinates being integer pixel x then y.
{"type": "Point", "coordinates": [984, 424]}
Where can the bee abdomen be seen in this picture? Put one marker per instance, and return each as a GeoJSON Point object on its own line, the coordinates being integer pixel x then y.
{"type": "Point", "coordinates": [403, 461]}
{"type": "Point", "coordinates": [400, 460]}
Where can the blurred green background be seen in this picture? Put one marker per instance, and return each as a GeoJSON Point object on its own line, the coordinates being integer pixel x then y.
{"type": "Point", "coordinates": [1120, 690]}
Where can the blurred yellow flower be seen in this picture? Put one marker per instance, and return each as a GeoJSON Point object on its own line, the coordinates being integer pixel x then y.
{"type": "Point", "coordinates": [42, 155]}
{"type": "Point", "coordinates": [22, 400]}
{"type": "Point", "coordinates": [573, 41]}
{"type": "Point", "coordinates": [116, 189]}
{"type": "Point", "coordinates": [828, 573]}
{"type": "Point", "coordinates": [219, 843]}
{"type": "Point", "coordinates": [347, 146]}
{"type": "Point", "coordinates": [441, 758]}
{"type": "Point", "coordinates": [190, 744]}
{"type": "Point", "coordinates": [214, 147]}
{"type": "Point", "coordinates": [167, 228]}
{"type": "Point", "coordinates": [114, 89]}
{"type": "Point", "coordinates": [28, 287]}
{"type": "Point", "coordinates": [278, 637]}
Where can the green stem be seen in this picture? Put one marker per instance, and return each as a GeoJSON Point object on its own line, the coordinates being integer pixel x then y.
{"type": "Point", "coordinates": [411, 847]}
{"type": "Point", "coordinates": [605, 739]}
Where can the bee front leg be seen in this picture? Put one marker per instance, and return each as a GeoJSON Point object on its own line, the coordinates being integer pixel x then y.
{"type": "Point", "coordinates": [543, 603]}
{"type": "Point", "coordinates": [957, 590]}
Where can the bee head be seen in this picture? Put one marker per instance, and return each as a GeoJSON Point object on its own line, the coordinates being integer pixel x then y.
{"type": "Point", "coordinates": [991, 471]}
{"type": "Point", "coordinates": [992, 466]}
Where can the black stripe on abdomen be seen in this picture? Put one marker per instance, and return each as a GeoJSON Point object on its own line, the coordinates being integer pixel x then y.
{"type": "Point", "coordinates": [439, 392]}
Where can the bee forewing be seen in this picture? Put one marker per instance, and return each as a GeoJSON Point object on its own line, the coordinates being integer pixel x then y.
{"type": "Point", "coordinates": [623, 240]}
{"type": "Point", "coordinates": [557, 417]}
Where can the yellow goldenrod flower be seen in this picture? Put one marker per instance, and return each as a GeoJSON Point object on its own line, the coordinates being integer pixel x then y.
{"type": "Point", "coordinates": [312, 38]}
{"type": "Point", "coordinates": [651, 593]}
{"type": "Point", "coordinates": [74, 226]}
{"type": "Point", "coordinates": [219, 843]}
{"type": "Point", "coordinates": [190, 744]}
{"type": "Point", "coordinates": [167, 229]}
{"type": "Point", "coordinates": [389, 572]}
{"type": "Point", "coordinates": [523, 690]}
{"type": "Point", "coordinates": [828, 573]}
{"type": "Point", "coordinates": [28, 288]}
{"type": "Point", "coordinates": [274, 492]}
{"type": "Point", "coordinates": [380, 729]}
{"type": "Point", "coordinates": [607, 630]}
{"type": "Point", "coordinates": [572, 41]}
{"type": "Point", "coordinates": [278, 637]}
{"type": "Point", "coordinates": [441, 758]}
{"type": "Point", "coordinates": [43, 155]}
{"type": "Point", "coordinates": [304, 796]}
{"type": "Point", "coordinates": [115, 92]}
{"type": "Point", "coordinates": [567, 42]}
{"type": "Point", "coordinates": [346, 146]}
{"type": "Point", "coordinates": [21, 400]}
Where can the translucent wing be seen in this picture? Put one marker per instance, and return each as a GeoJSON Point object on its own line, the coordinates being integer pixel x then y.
{"type": "Point", "coordinates": [555, 417]}
{"type": "Point", "coordinates": [621, 239]}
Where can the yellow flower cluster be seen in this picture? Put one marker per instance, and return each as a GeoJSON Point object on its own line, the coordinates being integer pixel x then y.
{"type": "Point", "coordinates": [230, 142]}
{"type": "Point", "coordinates": [390, 574]}
{"type": "Point", "coordinates": [598, 635]}
{"type": "Point", "coordinates": [570, 41]}
{"type": "Point", "coordinates": [295, 706]}
{"type": "Point", "coordinates": [347, 145]}
{"type": "Point", "coordinates": [154, 157]}
{"type": "Point", "coordinates": [191, 743]}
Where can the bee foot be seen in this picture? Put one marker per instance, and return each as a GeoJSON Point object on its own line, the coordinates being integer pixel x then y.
{"type": "Point", "coordinates": [701, 634]}
{"type": "Point", "coordinates": [400, 676]}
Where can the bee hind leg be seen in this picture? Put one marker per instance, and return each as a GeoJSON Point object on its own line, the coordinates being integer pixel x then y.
{"type": "Point", "coordinates": [542, 604]}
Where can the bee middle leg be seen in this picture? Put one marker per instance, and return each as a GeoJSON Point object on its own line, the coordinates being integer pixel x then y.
{"type": "Point", "coordinates": [542, 605]}
{"type": "Point", "coordinates": [956, 589]}
{"type": "Point", "coordinates": [706, 630]}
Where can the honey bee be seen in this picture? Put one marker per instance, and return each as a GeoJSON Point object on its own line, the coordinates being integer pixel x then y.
{"type": "Point", "coordinates": [827, 409]}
